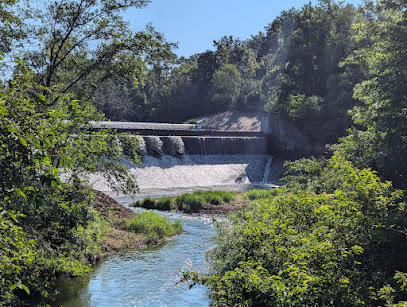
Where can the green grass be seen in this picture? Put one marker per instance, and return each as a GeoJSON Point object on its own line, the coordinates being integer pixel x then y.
{"type": "Point", "coordinates": [153, 226]}
{"type": "Point", "coordinates": [165, 203]}
{"type": "Point", "coordinates": [216, 197]}
{"type": "Point", "coordinates": [187, 202]}
{"type": "Point", "coordinates": [147, 203]}
{"type": "Point", "coordinates": [258, 194]}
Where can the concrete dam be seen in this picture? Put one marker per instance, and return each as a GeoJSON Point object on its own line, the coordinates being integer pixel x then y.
{"type": "Point", "coordinates": [182, 158]}
{"type": "Point", "coordinates": [158, 139]}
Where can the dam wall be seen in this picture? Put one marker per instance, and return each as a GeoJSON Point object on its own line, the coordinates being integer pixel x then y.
{"type": "Point", "coordinates": [156, 139]}
{"type": "Point", "coordinates": [178, 158]}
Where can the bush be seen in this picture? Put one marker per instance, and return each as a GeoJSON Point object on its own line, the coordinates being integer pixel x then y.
{"type": "Point", "coordinates": [137, 204]}
{"type": "Point", "coordinates": [147, 203]}
{"type": "Point", "coordinates": [215, 197]}
{"type": "Point", "coordinates": [165, 203]}
{"type": "Point", "coordinates": [189, 202]}
{"type": "Point", "coordinates": [335, 236]}
{"type": "Point", "coordinates": [228, 196]}
{"type": "Point", "coordinates": [154, 226]}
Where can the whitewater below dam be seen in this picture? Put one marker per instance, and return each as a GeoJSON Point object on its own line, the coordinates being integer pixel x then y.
{"type": "Point", "coordinates": [168, 175]}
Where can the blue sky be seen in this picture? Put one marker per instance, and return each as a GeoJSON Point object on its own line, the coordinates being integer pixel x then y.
{"type": "Point", "coordinates": [194, 24]}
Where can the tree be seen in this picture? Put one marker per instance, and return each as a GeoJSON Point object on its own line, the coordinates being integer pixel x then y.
{"type": "Point", "coordinates": [10, 25]}
{"type": "Point", "coordinates": [381, 139]}
{"type": "Point", "coordinates": [299, 83]}
{"type": "Point", "coordinates": [81, 43]}
{"type": "Point", "coordinates": [228, 50]}
{"type": "Point", "coordinates": [226, 82]}
{"type": "Point", "coordinates": [37, 206]}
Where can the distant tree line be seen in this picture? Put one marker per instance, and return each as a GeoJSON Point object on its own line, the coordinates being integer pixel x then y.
{"type": "Point", "coordinates": [292, 69]}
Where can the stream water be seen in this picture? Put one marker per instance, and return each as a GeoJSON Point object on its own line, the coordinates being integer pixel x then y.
{"type": "Point", "coordinates": [148, 277]}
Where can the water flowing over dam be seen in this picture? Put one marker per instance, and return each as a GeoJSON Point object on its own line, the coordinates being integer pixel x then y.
{"type": "Point", "coordinates": [183, 158]}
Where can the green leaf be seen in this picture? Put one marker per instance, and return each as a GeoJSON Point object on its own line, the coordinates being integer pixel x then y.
{"type": "Point", "coordinates": [24, 287]}
{"type": "Point", "coordinates": [13, 216]}
{"type": "Point", "coordinates": [20, 192]}
{"type": "Point", "coordinates": [42, 97]}
{"type": "Point", "coordinates": [22, 141]}
{"type": "Point", "coordinates": [3, 111]}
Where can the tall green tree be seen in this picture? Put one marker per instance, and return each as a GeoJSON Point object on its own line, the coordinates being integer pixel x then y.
{"type": "Point", "coordinates": [382, 139]}
{"type": "Point", "coordinates": [10, 25]}
{"type": "Point", "coordinates": [45, 126]}
{"type": "Point", "coordinates": [81, 43]}
{"type": "Point", "coordinates": [304, 82]}
{"type": "Point", "coordinates": [226, 85]}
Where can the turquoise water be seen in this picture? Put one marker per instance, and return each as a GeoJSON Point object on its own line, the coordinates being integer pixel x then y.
{"type": "Point", "coordinates": [149, 277]}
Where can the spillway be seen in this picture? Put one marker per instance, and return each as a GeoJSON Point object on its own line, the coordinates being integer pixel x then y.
{"type": "Point", "coordinates": [182, 158]}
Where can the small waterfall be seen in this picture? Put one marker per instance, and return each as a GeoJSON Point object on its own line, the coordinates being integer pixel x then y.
{"type": "Point", "coordinates": [154, 146]}
{"type": "Point", "coordinates": [210, 145]}
{"type": "Point", "coordinates": [202, 146]}
{"type": "Point", "coordinates": [173, 146]}
{"type": "Point", "coordinates": [267, 170]}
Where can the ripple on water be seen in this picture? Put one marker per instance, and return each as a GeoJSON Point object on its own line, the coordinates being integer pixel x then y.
{"type": "Point", "coordinates": [149, 277]}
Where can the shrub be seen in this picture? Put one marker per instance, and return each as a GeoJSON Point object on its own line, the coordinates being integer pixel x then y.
{"type": "Point", "coordinates": [228, 196]}
{"type": "Point", "coordinates": [137, 204]}
{"type": "Point", "coordinates": [165, 203]}
{"type": "Point", "coordinates": [215, 197]}
{"type": "Point", "coordinates": [147, 203]}
{"type": "Point", "coordinates": [335, 236]}
{"type": "Point", "coordinates": [189, 202]}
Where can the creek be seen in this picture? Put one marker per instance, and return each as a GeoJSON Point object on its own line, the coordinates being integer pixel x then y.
{"type": "Point", "coordinates": [148, 277]}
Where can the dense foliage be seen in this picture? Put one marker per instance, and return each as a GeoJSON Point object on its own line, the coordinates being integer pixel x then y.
{"type": "Point", "coordinates": [51, 218]}
{"type": "Point", "coordinates": [47, 226]}
{"type": "Point", "coordinates": [334, 236]}
{"type": "Point", "coordinates": [382, 142]}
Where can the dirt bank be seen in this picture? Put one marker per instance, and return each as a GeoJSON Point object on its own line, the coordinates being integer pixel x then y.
{"type": "Point", "coordinates": [117, 239]}
{"type": "Point", "coordinates": [110, 208]}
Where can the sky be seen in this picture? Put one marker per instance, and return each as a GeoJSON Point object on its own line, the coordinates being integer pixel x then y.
{"type": "Point", "coordinates": [195, 24]}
